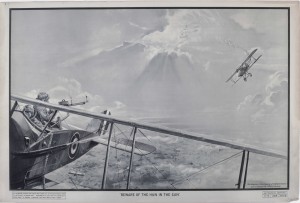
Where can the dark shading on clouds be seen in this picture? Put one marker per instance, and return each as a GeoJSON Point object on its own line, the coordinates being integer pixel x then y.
{"type": "Point", "coordinates": [160, 63]}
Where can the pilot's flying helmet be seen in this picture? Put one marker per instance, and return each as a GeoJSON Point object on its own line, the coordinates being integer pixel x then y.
{"type": "Point", "coordinates": [43, 96]}
{"type": "Point", "coordinates": [29, 111]}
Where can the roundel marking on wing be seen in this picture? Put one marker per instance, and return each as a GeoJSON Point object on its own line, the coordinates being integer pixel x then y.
{"type": "Point", "coordinates": [73, 148]}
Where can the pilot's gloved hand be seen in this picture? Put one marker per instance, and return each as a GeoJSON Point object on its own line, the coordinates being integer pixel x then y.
{"type": "Point", "coordinates": [58, 122]}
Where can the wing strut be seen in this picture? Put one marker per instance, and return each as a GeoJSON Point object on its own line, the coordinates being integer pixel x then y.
{"type": "Point", "coordinates": [208, 167]}
{"type": "Point", "coordinates": [106, 157]}
{"type": "Point", "coordinates": [157, 128]}
{"type": "Point", "coordinates": [245, 158]}
{"type": "Point", "coordinates": [13, 108]}
{"type": "Point", "coordinates": [246, 170]}
{"type": "Point", "coordinates": [241, 170]}
{"type": "Point", "coordinates": [131, 157]}
{"type": "Point", "coordinates": [46, 160]}
{"type": "Point", "coordinates": [46, 126]}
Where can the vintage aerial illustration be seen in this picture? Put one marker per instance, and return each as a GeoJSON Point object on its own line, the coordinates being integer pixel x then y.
{"type": "Point", "coordinates": [149, 99]}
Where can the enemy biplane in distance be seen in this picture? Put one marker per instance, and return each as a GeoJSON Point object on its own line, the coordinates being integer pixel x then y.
{"type": "Point", "coordinates": [243, 70]}
{"type": "Point", "coordinates": [67, 103]}
{"type": "Point", "coordinates": [36, 151]}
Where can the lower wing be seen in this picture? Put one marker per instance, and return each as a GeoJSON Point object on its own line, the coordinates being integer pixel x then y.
{"type": "Point", "coordinates": [126, 145]}
{"type": "Point", "coordinates": [232, 75]}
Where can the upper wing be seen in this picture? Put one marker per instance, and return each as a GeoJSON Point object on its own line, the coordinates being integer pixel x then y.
{"type": "Point", "coordinates": [155, 128]}
{"type": "Point", "coordinates": [250, 55]}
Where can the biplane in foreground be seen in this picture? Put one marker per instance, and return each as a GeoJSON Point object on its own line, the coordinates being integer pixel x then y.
{"type": "Point", "coordinates": [36, 151]}
{"type": "Point", "coordinates": [243, 70]}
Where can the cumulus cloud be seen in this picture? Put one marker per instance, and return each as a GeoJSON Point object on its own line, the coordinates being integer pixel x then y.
{"type": "Point", "coordinates": [273, 96]}
{"type": "Point", "coordinates": [249, 19]}
{"type": "Point", "coordinates": [32, 93]}
{"type": "Point", "coordinates": [203, 35]}
{"type": "Point", "coordinates": [69, 88]}
{"type": "Point", "coordinates": [80, 57]}
{"type": "Point", "coordinates": [184, 27]}
{"type": "Point", "coordinates": [250, 100]}
{"type": "Point", "coordinates": [138, 26]}
{"type": "Point", "coordinates": [276, 81]}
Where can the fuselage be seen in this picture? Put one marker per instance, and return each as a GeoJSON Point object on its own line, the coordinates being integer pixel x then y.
{"type": "Point", "coordinates": [25, 136]}
{"type": "Point", "coordinates": [243, 70]}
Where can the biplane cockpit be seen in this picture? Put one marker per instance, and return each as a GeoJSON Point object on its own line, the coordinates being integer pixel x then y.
{"type": "Point", "coordinates": [31, 115]}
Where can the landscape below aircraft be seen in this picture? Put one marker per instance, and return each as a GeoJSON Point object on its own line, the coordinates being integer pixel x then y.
{"type": "Point", "coordinates": [243, 70]}
{"type": "Point", "coordinates": [36, 151]}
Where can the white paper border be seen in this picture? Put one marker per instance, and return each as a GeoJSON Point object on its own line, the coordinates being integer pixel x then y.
{"type": "Point", "coordinates": [185, 196]}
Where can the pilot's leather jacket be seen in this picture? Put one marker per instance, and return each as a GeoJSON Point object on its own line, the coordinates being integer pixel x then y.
{"type": "Point", "coordinates": [43, 114]}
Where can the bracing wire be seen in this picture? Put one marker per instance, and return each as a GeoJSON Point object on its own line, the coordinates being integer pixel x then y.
{"type": "Point", "coordinates": [157, 170]}
{"type": "Point", "coordinates": [152, 164]}
{"type": "Point", "coordinates": [131, 133]}
{"type": "Point", "coordinates": [73, 182]}
{"type": "Point", "coordinates": [121, 131]}
{"type": "Point", "coordinates": [191, 183]}
{"type": "Point", "coordinates": [202, 170]}
{"type": "Point", "coordinates": [65, 121]}
{"type": "Point", "coordinates": [210, 166]}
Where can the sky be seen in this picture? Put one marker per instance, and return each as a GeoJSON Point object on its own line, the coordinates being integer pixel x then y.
{"type": "Point", "coordinates": [161, 63]}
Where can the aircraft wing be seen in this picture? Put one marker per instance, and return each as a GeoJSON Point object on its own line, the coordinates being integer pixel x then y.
{"type": "Point", "coordinates": [254, 62]}
{"type": "Point", "coordinates": [126, 145]}
{"type": "Point", "coordinates": [235, 72]}
{"type": "Point", "coordinates": [120, 144]}
{"type": "Point", "coordinates": [250, 55]}
{"type": "Point", "coordinates": [154, 128]}
{"type": "Point", "coordinates": [41, 152]}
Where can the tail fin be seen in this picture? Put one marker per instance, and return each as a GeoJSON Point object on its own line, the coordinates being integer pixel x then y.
{"type": "Point", "coordinates": [99, 126]}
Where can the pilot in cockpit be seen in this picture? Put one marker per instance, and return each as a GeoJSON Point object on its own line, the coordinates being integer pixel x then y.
{"type": "Point", "coordinates": [43, 114]}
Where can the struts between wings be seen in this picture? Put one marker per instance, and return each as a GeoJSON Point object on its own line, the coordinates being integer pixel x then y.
{"type": "Point", "coordinates": [40, 149]}
{"type": "Point", "coordinates": [36, 151]}
{"type": "Point", "coordinates": [243, 70]}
